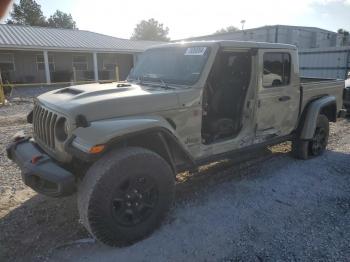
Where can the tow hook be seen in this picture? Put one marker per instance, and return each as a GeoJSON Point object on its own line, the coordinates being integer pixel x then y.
{"type": "Point", "coordinates": [35, 159]}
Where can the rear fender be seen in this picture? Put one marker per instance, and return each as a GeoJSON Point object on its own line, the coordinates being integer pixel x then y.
{"type": "Point", "coordinates": [325, 105]}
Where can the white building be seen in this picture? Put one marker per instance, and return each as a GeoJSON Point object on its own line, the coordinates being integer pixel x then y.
{"type": "Point", "coordinates": [302, 37]}
{"type": "Point", "coordinates": [41, 55]}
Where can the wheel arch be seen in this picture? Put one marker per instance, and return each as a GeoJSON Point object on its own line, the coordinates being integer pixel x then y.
{"type": "Point", "coordinates": [326, 105]}
{"type": "Point", "coordinates": [151, 132]}
{"type": "Point", "coordinates": [160, 141]}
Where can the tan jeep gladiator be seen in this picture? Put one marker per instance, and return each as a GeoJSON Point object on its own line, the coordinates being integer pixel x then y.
{"type": "Point", "coordinates": [120, 145]}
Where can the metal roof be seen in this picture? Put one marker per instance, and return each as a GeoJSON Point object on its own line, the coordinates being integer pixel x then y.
{"type": "Point", "coordinates": [32, 37]}
{"type": "Point", "coordinates": [331, 49]}
{"type": "Point", "coordinates": [332, 62]}
{"type": "Point", "coordinates": [228, 43]}
{"type": "Point", "coordinates": [304, 28]}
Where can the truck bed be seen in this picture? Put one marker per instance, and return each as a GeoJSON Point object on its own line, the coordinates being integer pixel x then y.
{"type": "Point", "coordinates": [318, 87]}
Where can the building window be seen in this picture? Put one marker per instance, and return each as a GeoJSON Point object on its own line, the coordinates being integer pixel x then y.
{"type": "Point", "coordinates": [40, 63]}
{"type": "Point", "coordinates": [277, 67]}
{"type": "Point", "coordinates": [109, 64]}
{"type": "Point", "coordinates": [7, 62]}
{"type": "Point", "coordinates": [80, 63]}
{"type": "Point", "coordinates": [109, 67]}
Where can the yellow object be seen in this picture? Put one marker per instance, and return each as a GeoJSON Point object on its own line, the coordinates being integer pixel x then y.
{"type": "Point", "coordinates": [2, 95]}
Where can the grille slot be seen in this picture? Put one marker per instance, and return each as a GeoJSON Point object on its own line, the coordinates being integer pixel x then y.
{"type": "Point", "coordinates": [44, 125]}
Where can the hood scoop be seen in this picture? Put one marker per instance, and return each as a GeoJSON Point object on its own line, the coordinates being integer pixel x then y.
{"type": "Point", "coordinates": [70, 91]}
{"type": "Point", "coordinates": [100, 92]}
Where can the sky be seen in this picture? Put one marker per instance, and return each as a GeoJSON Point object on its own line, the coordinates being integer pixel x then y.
{"type": "Point", "coordinates": [186, 18]}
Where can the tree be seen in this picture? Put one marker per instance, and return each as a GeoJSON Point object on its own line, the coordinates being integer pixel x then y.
{"type": "Point", "coordinates": [61, 20]}
{"type": "Point", "coordinates": [345, 40]}
{"type": "Point", "coordinates": [343, 31]}
{"type": "Point", "coordinates": [227, 30]}
{"type": "Point", "coordinates": [150, 30]}
{"type": "Point", "coordinates": [27, 12]}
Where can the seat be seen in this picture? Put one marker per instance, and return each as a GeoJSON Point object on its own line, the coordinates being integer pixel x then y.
{"type": "Point", "coordinates": [225, 103]}
{"type": "Point", "coordinates": [226, 108]}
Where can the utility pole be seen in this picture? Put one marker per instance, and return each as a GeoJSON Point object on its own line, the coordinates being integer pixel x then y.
{"type": "Point", "coordinates": [242, 22]}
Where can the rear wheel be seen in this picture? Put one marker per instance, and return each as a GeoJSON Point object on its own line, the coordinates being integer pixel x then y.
{"type": "Point", "coordinates": [304, 149]}
{"type": "Point", "coordinates": [125, 195]}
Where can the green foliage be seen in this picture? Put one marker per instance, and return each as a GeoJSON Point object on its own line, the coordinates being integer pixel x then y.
{"type": "Point", "coordinates": [346, 36]}
{"type": "Point", "coordinates": [343, 32]}
{"type": "Point", "coordinates": [61, 20]}
{"type": "Point", "coordinates": [28, 12]}
{"type": "Point", "coordinates": [227, 30]}
{"type": "Point", "coordinates": [150, 30]}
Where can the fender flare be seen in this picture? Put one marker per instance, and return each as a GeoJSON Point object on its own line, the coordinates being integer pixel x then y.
{"type": "Point", "coordinates": [312, 111]}
{"type": "Point", "coordinates": [163, 142]}
{"type": "Point", "coordinates": [120, 131]}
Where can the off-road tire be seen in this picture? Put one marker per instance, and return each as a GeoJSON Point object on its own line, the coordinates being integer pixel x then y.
{"type": "Point", "coordinates": [304, 149]}
{"type": "Point", "coordinates": [96, 191]}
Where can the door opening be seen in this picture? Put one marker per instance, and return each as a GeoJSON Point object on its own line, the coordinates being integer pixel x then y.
{"type": "Point", "coordinates": [224, 96]}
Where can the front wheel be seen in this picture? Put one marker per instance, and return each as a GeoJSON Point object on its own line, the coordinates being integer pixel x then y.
{"type": "Point", "coordinates": [125, 195]}
{"type": "Point", "coordinates": [304, 149]}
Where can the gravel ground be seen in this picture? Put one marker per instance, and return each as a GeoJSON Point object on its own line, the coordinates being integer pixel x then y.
{"type": "Point", "coordinates": [271, 208]}
{"type": "Point", "coordinates": [31, 225]}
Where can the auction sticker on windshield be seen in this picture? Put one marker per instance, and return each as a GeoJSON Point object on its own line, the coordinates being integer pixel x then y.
{"type": "Point", "coordinates": [197, 50]}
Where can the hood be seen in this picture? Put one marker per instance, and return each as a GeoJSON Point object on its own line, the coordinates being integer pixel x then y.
{"type": "Point", "coordinates": [103, 101]}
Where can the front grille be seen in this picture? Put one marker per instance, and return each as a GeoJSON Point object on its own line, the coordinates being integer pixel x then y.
{"type": "Point", "coordinates": [44, 125]}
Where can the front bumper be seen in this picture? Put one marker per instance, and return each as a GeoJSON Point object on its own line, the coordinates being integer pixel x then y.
{"type": "Point", "coordinates": [39, 171]}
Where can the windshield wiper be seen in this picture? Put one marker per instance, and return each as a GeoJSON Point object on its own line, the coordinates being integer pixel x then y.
{"type": "Point", "coordinates": [164, 84]}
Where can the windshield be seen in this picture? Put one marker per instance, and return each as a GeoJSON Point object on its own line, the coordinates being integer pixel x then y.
{"type": "Point", "coordinates": [179, 66]}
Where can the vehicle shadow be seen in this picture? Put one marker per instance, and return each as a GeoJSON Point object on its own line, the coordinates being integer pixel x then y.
{"type": "Point", "coordinates": [225, 170]}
